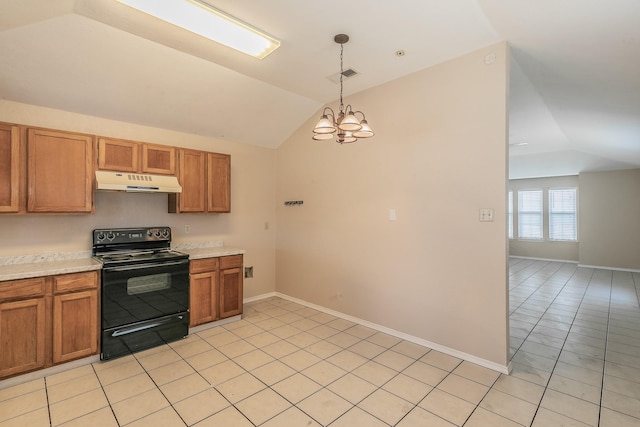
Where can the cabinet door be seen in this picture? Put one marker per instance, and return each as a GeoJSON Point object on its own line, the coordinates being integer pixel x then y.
{"type": "Point", "coordinates": [203, 298]}
{"type": "Point", "coordinates": [158, 159]}
{"type": "Point", "coordinates": [193, 169]}
{"type": "Point", "coordinates": [230, 292]}
{"type": "Point", "coordinates": [9, 168]}
{"type": "Point", "coordinates": [22, 336]}
{"type": "Point", "coordinates": [75, 325]}
{"type": "Point", "coordinates": [60, 173]}
{"type": "Point", "coordinates": [118, 155]}
{"type": "Point", "coordinates": [219, 182]}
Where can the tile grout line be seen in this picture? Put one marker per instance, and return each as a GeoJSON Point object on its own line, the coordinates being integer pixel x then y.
{"type": "Point", "coordinates": [565, 339]}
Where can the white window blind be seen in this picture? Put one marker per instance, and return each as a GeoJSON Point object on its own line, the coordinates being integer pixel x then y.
{"type": "Point", "coordinates": [510, 203]}
{"type": "Point", "coordinates": [530, 214]}
{"type": "Point", "coordinates": [562, 214]}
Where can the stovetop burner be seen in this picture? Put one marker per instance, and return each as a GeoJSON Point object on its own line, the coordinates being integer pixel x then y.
{"type": "Point", "coordinates": [121, 246]}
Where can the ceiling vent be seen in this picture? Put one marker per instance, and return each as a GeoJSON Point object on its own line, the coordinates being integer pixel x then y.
{"type": "Point", "coordinates": [346, 74]}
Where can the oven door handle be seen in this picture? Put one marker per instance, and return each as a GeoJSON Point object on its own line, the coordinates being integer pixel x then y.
{"type": "Point", "coordinates": [145, 266]}
{"type": "Point", "coordinates": [138, 328]}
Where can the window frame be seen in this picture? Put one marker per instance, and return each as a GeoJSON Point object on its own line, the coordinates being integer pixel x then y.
{"type": "Point", "coordinates": [551, 212]}
{"type": "Point", "coordinates": [540, 213]}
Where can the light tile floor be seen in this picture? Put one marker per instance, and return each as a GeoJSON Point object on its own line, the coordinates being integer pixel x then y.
{"type": "Point", "coordinates": [575, 345]}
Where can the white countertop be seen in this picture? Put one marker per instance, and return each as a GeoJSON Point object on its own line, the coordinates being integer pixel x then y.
{"type": "Point", "coordinates": [25, 267]}
{"type": "Point", "coordinates": [47, 268]}
{"type": "Point", "coordinates": [210, 252]}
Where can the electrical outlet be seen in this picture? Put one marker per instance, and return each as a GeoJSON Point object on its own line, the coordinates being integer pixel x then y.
{"type": "Point", "coordinates": [187, 229]}
{"type": "Point", "coordinates": [248, 272]}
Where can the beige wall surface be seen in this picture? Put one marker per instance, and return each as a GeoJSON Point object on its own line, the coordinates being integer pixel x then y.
{"type": "Point", "coordinates": [544, 249]}
{"type": "Point", "coordinates": [252, 199]}
{"type": "Point", "coordinates": [439, 155]}
{"type": "Point", "coordinates": [610, 219]}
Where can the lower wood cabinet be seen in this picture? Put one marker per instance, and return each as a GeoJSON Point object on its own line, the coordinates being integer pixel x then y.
{"type": "Point", "coordinates": [22, 336]}
{"type": "Point", "coordinates": [75, 316]}
{"type": "Point", "coordinates": [216, 289]}
{"type": "Point", "coordinates": [47, 320]}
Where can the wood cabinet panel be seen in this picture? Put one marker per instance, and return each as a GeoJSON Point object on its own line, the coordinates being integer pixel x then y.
{"type": "Point", "coordinates": [75, 325]}
{"type": "Point", "coordinates": [24, 288]}
{"type": "Point", "coordinates": [230, 292]}
{"type": "Point", "coordinates": [203, 265]}
{"type": "Point", "coordinates": [230, 261]}
{"type": "Point", "coordinates": [22, 336]}
{"type": "Point", "coordinates": [75, 281]}
{"type": "Point", "coordinates": [219, 182]}
{"type": "Point", "coordinates": [9, 168]}
{"type": "Point", "coordinates": [118, 155]}
{"type": "Point", "coordinates": [203, 307]}
{"type": "Point", "coordinates": [192, 177]}
{"type": "Point", "coordinates": [60, 172]}
{"type": "Point", "coordinates": [160, 159]}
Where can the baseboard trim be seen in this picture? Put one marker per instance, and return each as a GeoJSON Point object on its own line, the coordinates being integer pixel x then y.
{"type": "Point", "coordinates": [504, 369]}
{"type": "Point", "coordinates": [544, 259]}
{"type": "Point", "coordinates": [600, 267]}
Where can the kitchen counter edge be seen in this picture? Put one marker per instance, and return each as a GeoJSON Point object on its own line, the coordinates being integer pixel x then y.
{"type": "Point", "coordinates": [48, 268]}
{"type": "Point", "coordinates": [213, 252]}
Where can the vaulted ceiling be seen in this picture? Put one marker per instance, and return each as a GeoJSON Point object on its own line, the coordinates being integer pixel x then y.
{"type": "Point", "coordinates": [575, 69]}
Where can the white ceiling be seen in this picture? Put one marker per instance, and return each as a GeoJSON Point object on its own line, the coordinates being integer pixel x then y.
{"type": "Point", "coordinates": [575, 71]}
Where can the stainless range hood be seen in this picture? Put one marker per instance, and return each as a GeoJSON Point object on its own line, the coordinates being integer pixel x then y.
{"type": "Point", "coordinates": [138, 183]}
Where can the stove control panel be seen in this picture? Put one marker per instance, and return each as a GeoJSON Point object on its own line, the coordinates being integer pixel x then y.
{"type": "Point", "coordinates": [131, 235]}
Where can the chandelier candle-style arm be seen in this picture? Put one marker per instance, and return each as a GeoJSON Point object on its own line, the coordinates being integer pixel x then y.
{"type": "Point", "coordinates": [346, 123]}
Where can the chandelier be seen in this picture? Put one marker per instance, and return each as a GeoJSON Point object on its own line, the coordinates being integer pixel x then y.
{"type": "Point", "coordinates": [346, 122]}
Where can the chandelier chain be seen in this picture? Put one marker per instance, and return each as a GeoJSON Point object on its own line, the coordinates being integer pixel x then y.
{"type": "Point", "coordinates": [341, 75]}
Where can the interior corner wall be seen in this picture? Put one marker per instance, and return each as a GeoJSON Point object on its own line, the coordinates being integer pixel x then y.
{"type": "Point", "coordinates": [543, 249]}
{"type": "Point", "coordinates": [439, 155]}
{"type": "Point", "coordinates": [253, 196]}
{"type": "Point", "coordinates": [609, 225]}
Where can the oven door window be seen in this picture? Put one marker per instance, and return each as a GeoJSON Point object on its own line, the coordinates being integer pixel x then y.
{"type": "Point", "coordinates": [150, 283]}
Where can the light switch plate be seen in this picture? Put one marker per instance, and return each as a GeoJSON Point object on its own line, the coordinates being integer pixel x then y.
{"type": "Point", "coordinates": [486, 214]}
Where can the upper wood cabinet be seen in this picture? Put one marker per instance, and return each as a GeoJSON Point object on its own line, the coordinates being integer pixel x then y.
{"type": "Point", "coordinates": [60, 171]}
{"type": "Point", "coordinates": [159, 159]}
{"type": "Point", "coordinates": [219, 182]}
{"type": "Point", "coordinates": [118, 155]}
{"type": "Point", "coordinates": [206, 183]}
{"type": "Point", "coordinates": [137, 157]}
{"type": "Point", "coordinates": [9, 168]}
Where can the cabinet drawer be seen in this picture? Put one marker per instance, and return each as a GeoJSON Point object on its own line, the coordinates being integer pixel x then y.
{"type": "Point", "coordinates": [75, 281]}
{"type": "Point", "coordinates": [230, 261]}
{"type": "Point", "coordinates": [15, 289]}
{"type": "Point", "coordinates": [203, 265]}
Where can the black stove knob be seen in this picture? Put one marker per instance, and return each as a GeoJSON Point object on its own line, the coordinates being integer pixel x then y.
{"type": "Point", "coordinates": [165, 233]}
{"type": "Point", "coordinates": [110, 235]}
{"type": "Point", "coordinates": [149, 233]}
{"type": "Point", "coordinates": [158, 233]}
{"type": "Point", "coordinates": [100, 236]}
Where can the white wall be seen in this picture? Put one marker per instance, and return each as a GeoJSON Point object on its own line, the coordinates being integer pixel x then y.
{"type": "Point", "coordinates": [439, 155]}
{"type": "Point", "coordinates": [610, 219]}
{"type": "Point", "coordinates": [252, 199]}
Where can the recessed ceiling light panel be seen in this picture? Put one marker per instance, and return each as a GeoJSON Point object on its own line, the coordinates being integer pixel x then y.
{"type": "Point", "coordinates": [203, 19]}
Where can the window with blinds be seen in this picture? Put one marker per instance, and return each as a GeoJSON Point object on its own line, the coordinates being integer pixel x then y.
{"type": "Point", "coordinates": [530, 214]}
{"type": "Point", "coordinates": [510, 204]}
{"type": "Point", "coordinates": [562, 214]}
